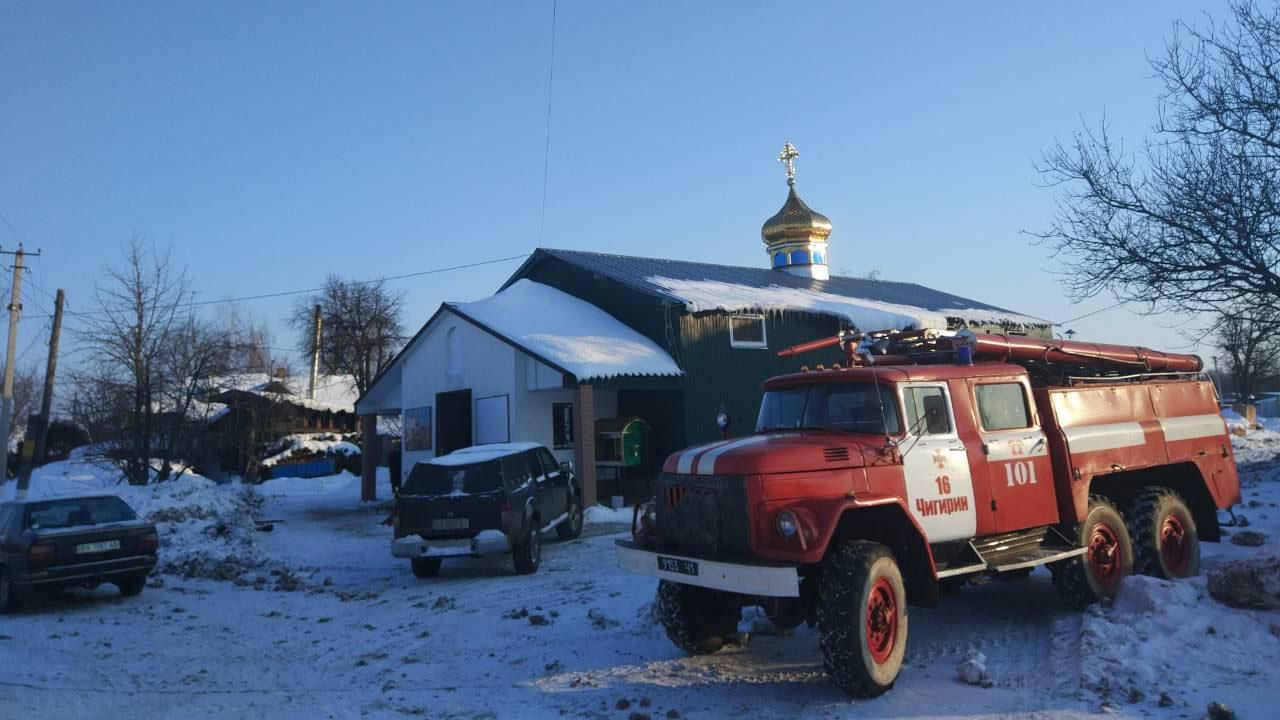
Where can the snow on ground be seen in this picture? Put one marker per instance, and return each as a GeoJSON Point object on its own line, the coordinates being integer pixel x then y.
{"type": "Point", "coordinates": [313, 443]}
{"type": "Point", "coordinates": [360, 637]}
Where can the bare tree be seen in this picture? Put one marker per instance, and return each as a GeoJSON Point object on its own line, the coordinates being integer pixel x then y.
{"type": "Point", "coordinates": [26, 393]}
{"type": "Point", "coordinates": [1250, 343]}
{"type": "Point", "coordinates": [1191, 221]}
{"type": "Point", "coordinates": [362, 327]}
{"type": "Point", "coordinates": [125, 338]}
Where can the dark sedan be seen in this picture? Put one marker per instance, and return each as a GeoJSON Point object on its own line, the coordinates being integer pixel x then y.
{"type": "Point", "coordinates": [54, 543]}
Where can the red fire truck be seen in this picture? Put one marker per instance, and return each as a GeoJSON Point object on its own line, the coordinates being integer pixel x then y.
{"type": "Point", "coordinates": [926, 460]}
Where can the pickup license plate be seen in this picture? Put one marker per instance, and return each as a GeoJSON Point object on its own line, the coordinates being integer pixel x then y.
{"type": "Point", "coordinates": [677, 565]}
{"type": "Point", "coordinates": [450, 524]}
{"type": "Point", "coordinates": [97, 547]}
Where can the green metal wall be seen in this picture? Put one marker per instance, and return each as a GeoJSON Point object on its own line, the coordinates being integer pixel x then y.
{"type": "Point", "coordinates": [719, 373]}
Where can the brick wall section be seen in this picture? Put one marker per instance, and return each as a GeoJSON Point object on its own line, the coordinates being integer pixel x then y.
{"type": "Point", "coordinates": [584, 441]}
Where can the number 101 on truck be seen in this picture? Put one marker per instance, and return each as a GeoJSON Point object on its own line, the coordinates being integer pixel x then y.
{"type": "Point", "coordinates": [925, 460]}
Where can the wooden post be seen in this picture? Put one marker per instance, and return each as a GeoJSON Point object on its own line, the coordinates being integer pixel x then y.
{"type": "Point", "coordinates": [6, 405]}
{"type": "Point", "coordinates": [51, 366]}
{"type": "Point", "coordinates": [368, 458]}
{"type": "Point", "coordinates": [584, 441]}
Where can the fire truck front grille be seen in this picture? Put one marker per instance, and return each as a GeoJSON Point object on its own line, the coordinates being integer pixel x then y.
{"type": "Point", "coordinates": [704, 513]}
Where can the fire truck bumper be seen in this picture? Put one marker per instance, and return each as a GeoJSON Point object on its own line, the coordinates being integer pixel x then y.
{"type": "Point", "coordinates": [746, 578]}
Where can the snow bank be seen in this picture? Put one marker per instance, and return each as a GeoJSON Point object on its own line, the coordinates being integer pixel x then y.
{"type": "Point", "coordinates": [343, 482]}
{"type": "Point", "coordinates": [601, 515]}
{"type": "Point", "coordinates": [572, 333]}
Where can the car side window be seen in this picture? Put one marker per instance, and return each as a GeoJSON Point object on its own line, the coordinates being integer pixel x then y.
{"type": "Point", "coordinates": [549, 464]}
{"type": "Point", "coordinates": [516, 468]}
{"type": "Point", "coordinates": [6, 514]}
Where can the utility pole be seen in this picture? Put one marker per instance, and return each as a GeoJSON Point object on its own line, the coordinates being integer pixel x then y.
{"type": "Point", "coordinates": [46, 402]}
{"type": "Point", "coordinates": [15, 313]}
{"type": "Point", "coordinates": [315, 356]}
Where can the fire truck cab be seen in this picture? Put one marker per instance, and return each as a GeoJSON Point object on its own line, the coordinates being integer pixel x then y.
{"type": "Point", "coordinates": [928, 460]}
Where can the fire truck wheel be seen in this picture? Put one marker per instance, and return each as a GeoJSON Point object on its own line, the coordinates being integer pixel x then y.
{"type": "Point", "coordinates": [1108, 559]}
{"type": "Point", "coordinates": [427, 567]}
{"type": "Point", "coordinates": [698, 620]}
{"type": "Point", "coordinates": [862, 618]}
{"type": "Point", "coordinates": [1165, 543]}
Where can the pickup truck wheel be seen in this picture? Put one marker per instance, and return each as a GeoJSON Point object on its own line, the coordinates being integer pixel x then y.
{"type": "Point", "coordinates": [572, 525]}
{"type": "Point", "coordinates": [528, 554]}
{"type": "Point", "coordinates": [425, 567]}
{"type": "Point", "coordinates": [10, 597]}
{"type": "Point", "coordinates": [132, 586]}
{"type": "Point", "coordinates": [1165, 542]}
{"type": "Point", "coordinates": [1108, 559]}
{"type": "Point", "coordinates": [862, 618]}
{"type": "Point", "coordinates": [698, 620]}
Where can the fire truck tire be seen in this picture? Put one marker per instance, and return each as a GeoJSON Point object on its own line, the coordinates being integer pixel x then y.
{"type": "Point", "coordinates": [427, 567]}
{"type": "Point", "coordinates": [862, 618]}
{"type": "Point", "coordinates": [1165, 542]}
{"type": "Point", "coordinates": [1086, 579]}
{"type": "Point", "coordinates": [698, 620]}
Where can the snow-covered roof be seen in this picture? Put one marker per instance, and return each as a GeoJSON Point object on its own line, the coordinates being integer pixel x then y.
{"type": "Point", "coordinates": [867, 304]}
{"type": "Point", "coordinates": [567, 333]}
{"type": "Point", "coordinates": [333, 392]}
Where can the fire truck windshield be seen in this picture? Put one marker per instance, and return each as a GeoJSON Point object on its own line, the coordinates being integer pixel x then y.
{"type": "Point", "coordinates": [854, 407]}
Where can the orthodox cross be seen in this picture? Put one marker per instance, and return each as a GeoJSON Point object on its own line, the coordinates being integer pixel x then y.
{"type": "Point", "coordinates": [788, 156]}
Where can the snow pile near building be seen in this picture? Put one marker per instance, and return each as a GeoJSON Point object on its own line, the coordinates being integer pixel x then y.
{"type": "Point", "coordinates": [205, 529]}
{"type": "Point", "coordinates": [343, 483]}
{"type": "Point", "coordinates": [573, 334]}
{"type": "Point", "coordinates": [865, 314]}
{"type": "Point", "coordinates": [601, 515]}
{"type": "Point", "coordinates": [312, 444]}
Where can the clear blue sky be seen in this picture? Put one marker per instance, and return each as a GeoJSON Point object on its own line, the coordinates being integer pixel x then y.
{"type": "Point", "coordinates": [269, 144]}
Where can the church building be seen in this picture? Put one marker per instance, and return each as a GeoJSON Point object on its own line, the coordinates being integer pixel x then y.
{"type": "Point", "coordinates": [614, 361]}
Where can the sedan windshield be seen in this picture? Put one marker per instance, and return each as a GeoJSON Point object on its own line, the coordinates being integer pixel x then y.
{"type": "Point", "coordinates": [853, 407]}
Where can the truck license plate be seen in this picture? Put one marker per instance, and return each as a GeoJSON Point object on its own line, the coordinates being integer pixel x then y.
{"type": "Point", "coordinates": [97, 547]}
{"type": "Point", "coordinates": [450, 524]}
{"type": "Point", "coordinates": [677, 565]}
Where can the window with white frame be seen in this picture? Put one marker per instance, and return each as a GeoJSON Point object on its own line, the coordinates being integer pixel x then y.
{"type": "Point", "coordinates": [747, 331]}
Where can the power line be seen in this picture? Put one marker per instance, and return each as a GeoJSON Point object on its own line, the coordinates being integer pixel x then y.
{"type": "Point", "coordinates": [287, 293]}
{"type": "Point", "coordinates": [546, 149]}
{"type": "Point", "coordinates": [16, 231]}
{"type": "Point", "coordinates": [1091, 314]}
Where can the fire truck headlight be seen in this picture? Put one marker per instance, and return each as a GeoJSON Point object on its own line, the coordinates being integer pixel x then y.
{"type": "Point", "coordinates": [787, 525]}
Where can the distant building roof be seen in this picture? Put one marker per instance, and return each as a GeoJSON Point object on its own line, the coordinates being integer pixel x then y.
{"type": "Point", "coordinates": [868, 304]}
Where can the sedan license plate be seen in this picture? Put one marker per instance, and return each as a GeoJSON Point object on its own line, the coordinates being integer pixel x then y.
{"type": "Point", "coordinates": [97, 547]}
{"type": "Point", "coordinates": [677, 565]}
{"type": "Point", "coordinates": [450, 524]}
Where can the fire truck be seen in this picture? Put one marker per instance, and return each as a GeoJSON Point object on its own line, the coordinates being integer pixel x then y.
{"type": "Point", "coordinates": [926, 460]}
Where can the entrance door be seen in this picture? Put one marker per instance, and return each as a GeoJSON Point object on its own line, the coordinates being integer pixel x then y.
{"type": "Point", "coordinates": [453, 421]}
{"type": "Point", "coordinates": [936, 465]}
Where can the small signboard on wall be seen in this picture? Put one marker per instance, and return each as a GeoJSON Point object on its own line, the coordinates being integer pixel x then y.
{"type": "Point", "coordinates": [417, 429]}
{"type": "Point", "coordinates": [562, 425]}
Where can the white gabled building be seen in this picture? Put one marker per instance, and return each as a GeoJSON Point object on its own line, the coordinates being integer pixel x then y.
{"type": "Point", "coordinates": [512, 367]}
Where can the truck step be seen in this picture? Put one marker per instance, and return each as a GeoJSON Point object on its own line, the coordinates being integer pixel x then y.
{"type": "Point", "coordinates": [1011, 551]}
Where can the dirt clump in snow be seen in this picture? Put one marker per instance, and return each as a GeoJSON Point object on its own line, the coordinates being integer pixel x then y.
{"type": "Point", "coordinates": [973, 669]}
{"type": "Point", "coordinates": [1218, 711]}
{"type": "Point", "coordinates": [1248, 583]}
{"type": "Point", "coordinates": [1249, 538]}
{"type": "Point", "coordinates": [600, 620]}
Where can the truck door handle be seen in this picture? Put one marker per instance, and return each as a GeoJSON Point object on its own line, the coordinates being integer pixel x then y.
{"type": "Point", "coordinates": [958, 449]}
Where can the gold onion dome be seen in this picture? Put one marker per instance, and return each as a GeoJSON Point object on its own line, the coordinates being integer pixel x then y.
{"type": "Point", "coordinates": [796, 221]}
{"type": "Point", "coordinates": [796, 236]}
